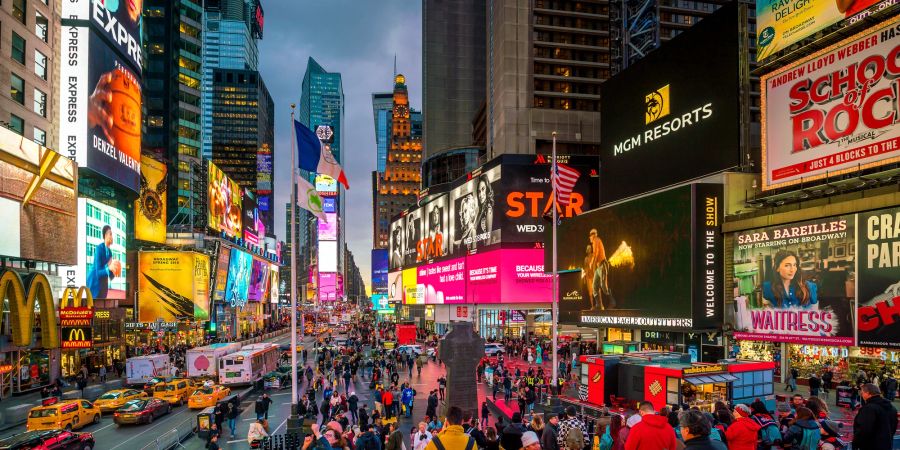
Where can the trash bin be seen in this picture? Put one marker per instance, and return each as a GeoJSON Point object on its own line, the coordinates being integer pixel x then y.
{"type": "Point", "coordinates": [843, 396]}
{"type": "Point", "coordinates": [205, 419]}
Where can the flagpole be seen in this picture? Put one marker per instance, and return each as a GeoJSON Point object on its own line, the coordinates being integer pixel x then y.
{"type": "Point", "coordinates": [294, 419]}
{"type": "Point", "coordinates": [554, 300]}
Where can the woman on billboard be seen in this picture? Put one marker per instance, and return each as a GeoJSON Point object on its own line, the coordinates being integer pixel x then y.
{"type": "Point", "coordinates": [485, 193]}
{"type": "Point", "coordinates": [785, 287]}
{"type": "Point", "coordinates": [468, 211]}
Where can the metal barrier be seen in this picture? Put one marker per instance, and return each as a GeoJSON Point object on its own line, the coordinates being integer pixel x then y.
{"type": "Point", "coordinates": [282, 442]}
{"type": "Point", "coordinates": [172, 438]}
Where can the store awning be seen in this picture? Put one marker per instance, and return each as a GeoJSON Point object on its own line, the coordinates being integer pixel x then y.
{"type": "Point", "coordinates": [710, 379]}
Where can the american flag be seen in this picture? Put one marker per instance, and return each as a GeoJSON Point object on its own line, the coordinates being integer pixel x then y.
{"type": "Point", "coordinates": [563, 182]}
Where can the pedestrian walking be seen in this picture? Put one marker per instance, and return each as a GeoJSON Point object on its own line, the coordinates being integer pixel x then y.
{"type": "Point", "coordinates": [815, 383]}
{"type": "Point", "coordinates": [231, 416]}
{"type": "Point", "coordinates": [876, 422]}
{"type": "Point", "coordinates": [262, 407]}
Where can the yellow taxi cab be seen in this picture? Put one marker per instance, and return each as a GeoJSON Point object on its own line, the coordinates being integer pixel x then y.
{"type": "Point", "coordinates": [176, 392]}
{"type": "Point", "coordinates": [207, 396]}
{"type": "Point", "coordinates": [62, 414]}
{"type": "Point", "coordinates": [113, 400]}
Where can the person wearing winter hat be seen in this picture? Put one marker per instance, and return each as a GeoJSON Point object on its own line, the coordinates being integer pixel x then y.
{"type": "Point", "coordinates": [743, 433]}
{"type": "Point", "coordinates": [530, 441]}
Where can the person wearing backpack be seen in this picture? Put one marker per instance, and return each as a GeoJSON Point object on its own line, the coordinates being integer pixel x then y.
{"type": "Point", "coordinates": [803, 433]}
{"type": "Point", "coordinates": [453, 437]}
{"type": "Point", "coordinates": [568, 438]}
{"type": "Point", "coordinates": [653, 432]}
{"type": "Point", "coordinates": [743, 433]}
{"type": "Point", "coordinates": [769, 428]}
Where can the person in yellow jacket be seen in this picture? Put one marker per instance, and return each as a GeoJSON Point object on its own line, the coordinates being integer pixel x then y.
{"type": "Point", "coordinates": [452, 437]}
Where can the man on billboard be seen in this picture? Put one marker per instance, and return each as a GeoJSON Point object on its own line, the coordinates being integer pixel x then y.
{"type": "Point", "coordinates": [599, 267]}
{"type": "Point", "coordinates": [105, 267]}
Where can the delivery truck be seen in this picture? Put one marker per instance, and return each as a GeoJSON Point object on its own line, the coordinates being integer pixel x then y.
{"type": "Point", "coordinates": [140, 369]}
{"type": "Point", "coordinates": [204, 361]}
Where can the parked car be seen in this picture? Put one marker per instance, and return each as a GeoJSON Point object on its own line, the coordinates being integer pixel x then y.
{"type": "Point", "coordinates": [415, 349]}
{"type": "Point", "coordinates": [141, 411]}
{"type": "Point", "coordinates": [494, 349]}
{"type": "Point", "coordinates": [47, 440]}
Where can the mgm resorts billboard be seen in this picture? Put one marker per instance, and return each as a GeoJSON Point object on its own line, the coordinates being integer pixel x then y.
{"type": "Point", "coordinates": [505, 203]}
{"type": "Point", "coordinates": [674, 115]}
{"type": "Point", "coordinates": [653, 262]}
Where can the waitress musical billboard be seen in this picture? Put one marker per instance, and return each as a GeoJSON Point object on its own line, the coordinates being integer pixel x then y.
{"type": "Point", "coordinates": [795, 282]}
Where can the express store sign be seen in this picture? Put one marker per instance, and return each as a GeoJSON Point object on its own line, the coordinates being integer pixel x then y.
{"type": "Point", "coordinates": [834, 112]}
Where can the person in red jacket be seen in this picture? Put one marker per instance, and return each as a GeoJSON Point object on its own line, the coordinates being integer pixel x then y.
{"type": "Point", "coordinates": [387, 399]}
{"type": "Point", "coordinates": [653, 432]}
{"type": "Point", "coordinates": [743, 433]}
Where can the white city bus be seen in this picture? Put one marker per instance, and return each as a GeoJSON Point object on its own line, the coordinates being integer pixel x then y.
{"type": "Point", "coordinates": [248, 365]}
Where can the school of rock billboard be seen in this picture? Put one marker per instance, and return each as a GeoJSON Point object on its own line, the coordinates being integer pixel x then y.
{"type": "Point", "coordinates": [833, 112]}
{"type": "Point", "coordinates": [671, 238]}
{"type": "Point", "coordinates": [829, 281]}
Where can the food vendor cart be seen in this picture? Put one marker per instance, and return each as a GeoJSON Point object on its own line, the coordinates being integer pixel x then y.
{"type": "Point", "coordinates": [670, 378]}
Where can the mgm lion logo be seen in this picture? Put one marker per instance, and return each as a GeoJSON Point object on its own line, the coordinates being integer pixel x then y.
{"type": "Point", "coordinates": [656, 104]}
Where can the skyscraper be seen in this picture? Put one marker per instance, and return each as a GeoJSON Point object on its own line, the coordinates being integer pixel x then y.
{"type": "Point", "coordinates": [230, 36]}
{"type": "Point", "coordinates": [322, 105]}
{"type": "Point", "coordinates": [453, 74]}
{"type": "Point", "coordinates": [398, 187]}
{"type": "Point", "coordinates": [243, 134]}
{"type": "Point", "coordinates": [382, 103]}
{"type": "Point", "coordinates": [172, 101]}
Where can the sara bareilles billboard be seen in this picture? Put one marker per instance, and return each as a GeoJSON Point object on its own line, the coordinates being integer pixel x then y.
{"type": "Point", "coordinates": [833, 112]}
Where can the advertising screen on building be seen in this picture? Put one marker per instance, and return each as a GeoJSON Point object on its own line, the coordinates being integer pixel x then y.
{"type": "Point", "coordinates": [265, 167]}
{"type": "Point", "coordinates": [670, 238]}
{"type": "Point", "coordinates": [673, 116]}
{"type": "Point", "coordinates": [221, 280]}
{"type": "Point", "coordinates": [328, 287]}
{"type": "Point", "coordinates": [150, 207]}
{"type": "Point", "coordinates": [254, 231]}
{"type": "Point", "coordinates": [878, 278]}
{"type": "Point", "coordinates": [101, 249]}
{"type": "Point", "coordinates": [119, 22]}
{"type": "Point", "coordinates": [381, 305]}
{"type": "Point", "coordinates": [473, 224]}
{"type": "Point", "coordinates": [793, 282]}
{"type": "Point", "coordinates": [508, 276]}
{"type": "Point", "coordinates": [47, 180]}
{"type": "Point", "coordinates": [782, 24]}
{"type": "Point", "coordinates": [238, 285]}
{"type": "Point", "coordinates": [173, 286]}
{"type": "Point", "coordinates": [395, 287]}
{"type": "Point", "coordinates": [326, 184]}
{"type": "Point", "coordinates": [328, 256]}
{"type": "Point", "coordinates": [259, 281]}
{"type": "Point", "coordinates": [274, 284]}
{"type": "Point", "coordinates": [433, 243]}
{"type": "Point", "coordinates": [818, 123]}
{"type": "Point", "coordinates": [329, 204]}
{"type": "Point", "coordinates": [443, 282]}
{"type": "Point", "coordinates": [328, 228]}
{"type": "Point", "coordinates": [412, 232]}
{"type": "Point", "coordinates": [101, 125]}
{"type": "Point", "coordinates": [525, 201]}
{"type": "Point", "coordinates": [379, 270]}
{"type": "Point", "coordinates": [225, 207]}
{"type": "Point", "coordinates": [412, 292]}
{"type": "Point", "coordinates": [396, 243]}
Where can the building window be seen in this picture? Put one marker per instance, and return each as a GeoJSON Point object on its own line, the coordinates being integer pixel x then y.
{"type": "Point", "coordinates": [40, 26]}
{"type": "Point", "coordinates": [155, 121]}
{"type": "Point", "coordinates": [40, 64]}
{"type": "Point", "coordinates": [18, 10]}
{"type": "Point", "coordinates": [40, 136]}
{"type": "Point", "coordinates": [18, 48]}
{"type": "Point", "coordinates": [17, 88]}
{"type": "Point", "coordinates": [40, 103]}
{"type": "Point", "coordinates": [17, 124]}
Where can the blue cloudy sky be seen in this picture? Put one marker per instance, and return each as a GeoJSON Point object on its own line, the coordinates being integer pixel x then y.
{"type": "Point", "coordinates": [359, 39]}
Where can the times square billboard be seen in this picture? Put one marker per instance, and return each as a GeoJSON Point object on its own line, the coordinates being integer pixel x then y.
{"type": "Point", "coordinates": [100, 74]}
{"type": "Point", "coordinates": [482, 240]}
